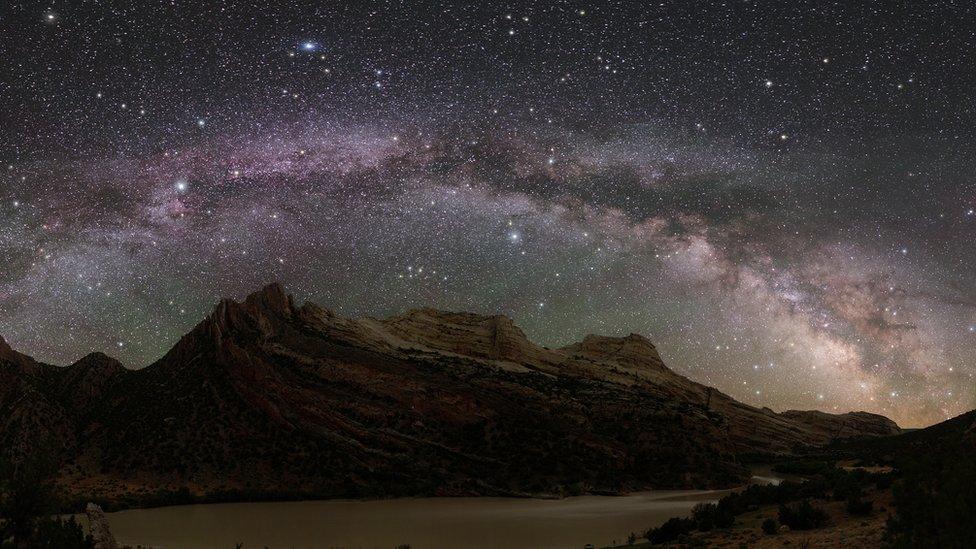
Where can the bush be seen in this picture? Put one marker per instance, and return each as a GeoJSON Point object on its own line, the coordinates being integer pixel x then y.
{"type": "Point", "coordinates": [707, 516]}
{"type": "Point", "coordinates": [56, 533]}
{"type": "Point", "coordinates": [769, 526]}
{"type": "Point", "coordinates": [882, 481]}
{"type": "Point", "coordinates": [828, 483]}
{"type": "Point", "coordinates": [670, 530]}
{"type": "Point", "coordinates": [802, 516]}
{"type": "Point", "coordinates": [847, 487]}
{"type": "Point", "coordinates": [858, 507]}
{"type": "Point", "coordinates": [575, 489]}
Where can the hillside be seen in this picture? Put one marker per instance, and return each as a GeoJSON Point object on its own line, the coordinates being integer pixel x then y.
{"type": "Point", "coordinates": [909, 490]}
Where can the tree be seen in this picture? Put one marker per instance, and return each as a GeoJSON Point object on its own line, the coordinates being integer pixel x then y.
{"type": "Point", "coordinates": [26, 493]}
{"type": "Point", "coordinates": [29, 507]}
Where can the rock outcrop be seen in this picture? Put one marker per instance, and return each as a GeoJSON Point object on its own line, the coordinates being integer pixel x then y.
{"type": "Point", "coordinates": [98, 528]}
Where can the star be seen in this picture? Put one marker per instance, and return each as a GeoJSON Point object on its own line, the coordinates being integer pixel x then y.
{"type": "Point", "coordinates": [692, 193]}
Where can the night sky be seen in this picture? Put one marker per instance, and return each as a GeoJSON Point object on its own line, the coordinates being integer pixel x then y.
{"type": "Point", "coordinates": [779, 194]}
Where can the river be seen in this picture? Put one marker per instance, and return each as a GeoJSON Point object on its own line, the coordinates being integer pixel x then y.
{"type": "Point", "coordinates": [423, 523]}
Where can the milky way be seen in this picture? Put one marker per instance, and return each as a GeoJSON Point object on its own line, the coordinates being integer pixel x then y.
{"type": "Point", "coordinates": [781, 198]}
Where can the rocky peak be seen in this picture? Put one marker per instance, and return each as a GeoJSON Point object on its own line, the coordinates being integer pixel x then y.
{"type": "Point", "coordinates": [98, 363]}
{"type": "Point", "coordinates": [633, 349]}
{"type": "Point", "coordinates": [6, 353]}
{"type": "Point", "coordinates": [87, 379]}
{"type": "Point", "coordinates": [257, 318]}
{"type": "Point", "coordinates": [10, 356]}
{"type": "Point", "coordinates": [258, 315]}
{"type": "Point", "coordinates": [271, 300]}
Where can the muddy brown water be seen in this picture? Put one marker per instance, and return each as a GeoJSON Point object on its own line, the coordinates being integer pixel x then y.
{"type": "Point", "coordinates": [421, 523]}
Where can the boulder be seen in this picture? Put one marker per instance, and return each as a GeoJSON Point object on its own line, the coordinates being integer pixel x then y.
{"type": "Point", "coordinates": [98, 528]}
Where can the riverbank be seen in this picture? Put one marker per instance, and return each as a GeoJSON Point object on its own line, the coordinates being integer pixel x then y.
{"type": "Point", "coordinates": [843, 530]}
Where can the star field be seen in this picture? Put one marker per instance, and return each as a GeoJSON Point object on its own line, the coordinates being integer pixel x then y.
{"type": "Point", "coordinates": [779, 195]}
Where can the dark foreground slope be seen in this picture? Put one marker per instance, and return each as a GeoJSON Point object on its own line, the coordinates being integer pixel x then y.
{"type": "Point", "coordinates": [916, 489]}
{"type": "Point", "coordinates": [935, 494]}
{"type": "Point", "coordinates": [268, 398]}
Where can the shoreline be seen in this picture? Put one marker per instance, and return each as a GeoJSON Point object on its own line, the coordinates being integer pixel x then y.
{"type": "Point", "coordinates": [182, 499]}
{"type": "Point", "coordinates": [217, 498]}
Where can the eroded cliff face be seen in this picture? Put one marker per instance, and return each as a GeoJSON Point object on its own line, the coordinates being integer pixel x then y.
{"type": "Point", "coordinates": [264, 396]}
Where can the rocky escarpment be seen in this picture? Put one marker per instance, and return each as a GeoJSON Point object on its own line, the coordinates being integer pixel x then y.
{"type": "Point", "coordinates": [851, 425]}
{"type": "Point", "coordinates": [267, 397]}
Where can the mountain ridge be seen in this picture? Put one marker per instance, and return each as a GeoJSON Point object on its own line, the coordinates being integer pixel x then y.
{"type": "Point", "coordinates": [264, 395]}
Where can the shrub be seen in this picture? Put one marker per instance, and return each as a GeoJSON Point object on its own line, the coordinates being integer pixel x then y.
{"type": "Point", "coordinates": [769, 526]}
{"type": "Point", "coordinates": [670, 530]}
{"type": "Point", "coordinates": [848, 486]}
{"type": "Point", "coordinates": [707, 516]}
{"type": "Point", "coordinates": [704, 516]}
{"type": "Point", "coordinates": [859, 507]}
{"type": "Point", "coordinates": [882, 481]}
{"type": "Point", "coordinates": [802, 516]}
{"type": "Point", "coordinates": [56, 533]}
